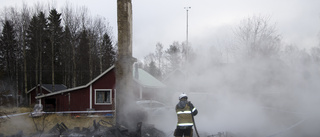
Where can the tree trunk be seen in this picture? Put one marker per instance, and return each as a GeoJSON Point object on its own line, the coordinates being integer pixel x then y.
{"type": "Point", "coordinates": [25, 65]}
{"type": "Point", "coordinates": [37, 62]}
{"type": "Point", "coordinates": [52, 61]}
{"type": "Point", "coordinates": [74, 66]}
{"type": "Point", "coordinates": [40, 63]}
{"type": "Point", "coordinates": [100, 64]}
{"type": "Point", "coordinates": [17, 84]}
{"type": "Point", "coordinates": [90, 56]}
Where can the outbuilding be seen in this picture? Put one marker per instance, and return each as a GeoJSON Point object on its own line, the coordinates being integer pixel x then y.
{"type": "Point", "coordinates": [43, 89]}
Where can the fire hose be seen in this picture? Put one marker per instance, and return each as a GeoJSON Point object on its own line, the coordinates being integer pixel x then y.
{"type": "Point", "coordinates": [194, 123]}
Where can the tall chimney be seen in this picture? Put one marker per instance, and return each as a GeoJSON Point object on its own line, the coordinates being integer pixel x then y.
{"type": "Point", "coordinates": [124, 61]}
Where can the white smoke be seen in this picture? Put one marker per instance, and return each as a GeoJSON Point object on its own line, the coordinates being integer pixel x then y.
{"type": "Point", "coordinates": [252, 97]}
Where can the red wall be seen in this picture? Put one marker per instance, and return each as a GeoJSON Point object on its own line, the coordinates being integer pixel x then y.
{"type": "Point", "coordinates": [105, 82]}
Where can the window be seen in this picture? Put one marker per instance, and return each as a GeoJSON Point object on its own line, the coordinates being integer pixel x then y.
{"type": "Point", "coordinates": [103, 96]}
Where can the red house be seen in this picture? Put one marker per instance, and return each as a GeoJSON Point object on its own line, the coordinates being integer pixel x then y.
{"type": "Point", "coordinates": [98, 95]}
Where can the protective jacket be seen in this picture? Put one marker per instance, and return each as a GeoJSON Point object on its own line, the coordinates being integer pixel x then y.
{"type": "Point", "coordinates": [185, 110]}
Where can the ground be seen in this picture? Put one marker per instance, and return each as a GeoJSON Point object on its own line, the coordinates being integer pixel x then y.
{"type": "Point", "coordinates": [29, 126]}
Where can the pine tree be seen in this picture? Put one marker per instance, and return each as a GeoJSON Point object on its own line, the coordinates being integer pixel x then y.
{"type": "Point", "coordinates": [55, 34]}
{"type": "Point", "coordinates": [43, 43]}
{"type": "Point", "coordinates": [110, 54]}
{"type": "Point", "coordinates": [153, 70]}
{"type": "Point", "coordinates": [174, 56]}
{"type": "Point", "coordinates": [8, 50]}
{"type": "Point", "coordinates": [37, 43]}
{"type": "Point", "coordinates": [32, 54]}
{"type": "Point", "coordinates": [83, 58]}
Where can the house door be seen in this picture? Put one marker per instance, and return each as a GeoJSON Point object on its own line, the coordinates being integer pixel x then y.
{"type": "Point", "coordinates": [50, 104]}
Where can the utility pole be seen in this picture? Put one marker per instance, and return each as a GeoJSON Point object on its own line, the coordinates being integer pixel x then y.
{"type": "Point", "coordinates": [187, 41]}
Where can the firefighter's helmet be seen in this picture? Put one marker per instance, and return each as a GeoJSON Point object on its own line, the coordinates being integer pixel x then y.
{"type": "Point", "coordinates": [183, 95]}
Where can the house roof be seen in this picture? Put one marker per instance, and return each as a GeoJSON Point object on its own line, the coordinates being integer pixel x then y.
{"type": "Point", "coordinates": [49, 88]}
{"type": "Point", "coordinates": [146, 80]}
{"type": "Point", "coordinates": [57, 87]}
{"type": "Point", "coordinates": [80, 87]}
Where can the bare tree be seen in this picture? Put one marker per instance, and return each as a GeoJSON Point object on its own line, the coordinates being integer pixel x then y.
{"type": "Point", "coordinates": [72, 22]}
{"type": "Point", "coordinates": [92, 36]}
{"type": "Point", "coordinates": [148, 59]}
{"type": "Point", "coordinates": [166, 61]}
{"type": "Point", "coordinates": [101, 29]}
{"type": "Point", "coordinates": [292, 55]}
{"type": "Point", "coordinates": [257, 37]}
{"type": "Point", "coordinates": [21, 20]}
{"type": "Point", "coordinates": [25, 21]}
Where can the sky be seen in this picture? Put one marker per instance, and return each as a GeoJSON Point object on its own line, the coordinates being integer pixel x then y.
{"type": "Point", "coordinates": [209, 22]}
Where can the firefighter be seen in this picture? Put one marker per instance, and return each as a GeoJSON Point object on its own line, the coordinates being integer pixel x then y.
{"type": "Point", "coordinates": [185, 112]}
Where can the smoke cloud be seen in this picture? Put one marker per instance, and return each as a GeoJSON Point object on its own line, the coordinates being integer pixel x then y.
{"type": "Point", "coordinates": [258, 96]}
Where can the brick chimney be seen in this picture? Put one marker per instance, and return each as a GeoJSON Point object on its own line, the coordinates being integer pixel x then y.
{"type": "Point", "coordinates": [124, 61]}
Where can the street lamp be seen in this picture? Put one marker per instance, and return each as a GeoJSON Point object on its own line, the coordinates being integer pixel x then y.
{"type": "Point", "coordinates": [187, 42]}
{"type": "Point", "coordinates": [187, 9]}
{"type": "Point", "coordinates": [186, 51]}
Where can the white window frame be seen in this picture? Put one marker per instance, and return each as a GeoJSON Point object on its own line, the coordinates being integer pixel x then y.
{"type": "Point", "coordinates": [99, 90]}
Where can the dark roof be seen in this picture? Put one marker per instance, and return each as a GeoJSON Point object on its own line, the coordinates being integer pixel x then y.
{"type": "Point", "coordinates": [57, 87]}
{"type": "Point", "coordinates": [48, 87]}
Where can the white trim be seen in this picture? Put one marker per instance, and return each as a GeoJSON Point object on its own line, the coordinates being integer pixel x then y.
{"type": "Point", "coordinates": [31, 89]}
{"type": "Point", "coordinates": [184, 112]}
{"type": "Point", "coordinates": [90, 97]}
{"type": "Point", "coordinates": [194, 109]}
{"type": "Point", "coordinates": [95, 96]}
{"type": "Point", "coordinates": [185, 124]}
{"type": "Point", "coordinates": [115, 99]}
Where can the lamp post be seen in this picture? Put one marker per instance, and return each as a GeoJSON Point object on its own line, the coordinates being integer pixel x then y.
{"type": "Point", "coordinates": [187, 9]}
{"type": "Point", "coordinates": [187, 51]}
{"type": "Point", "coordinates": [187, 42]}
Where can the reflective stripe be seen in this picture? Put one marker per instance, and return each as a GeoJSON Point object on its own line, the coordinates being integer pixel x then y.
{"type": "Point", "coordinates": [183, 112]}
{"type": "Point", "coordinates": [185, 124]}
{"type": "Point", "coordinates": [193, 109]}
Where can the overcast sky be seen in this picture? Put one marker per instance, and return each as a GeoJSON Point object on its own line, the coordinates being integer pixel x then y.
{"type": "Point", "coordinates": [164, 21]}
